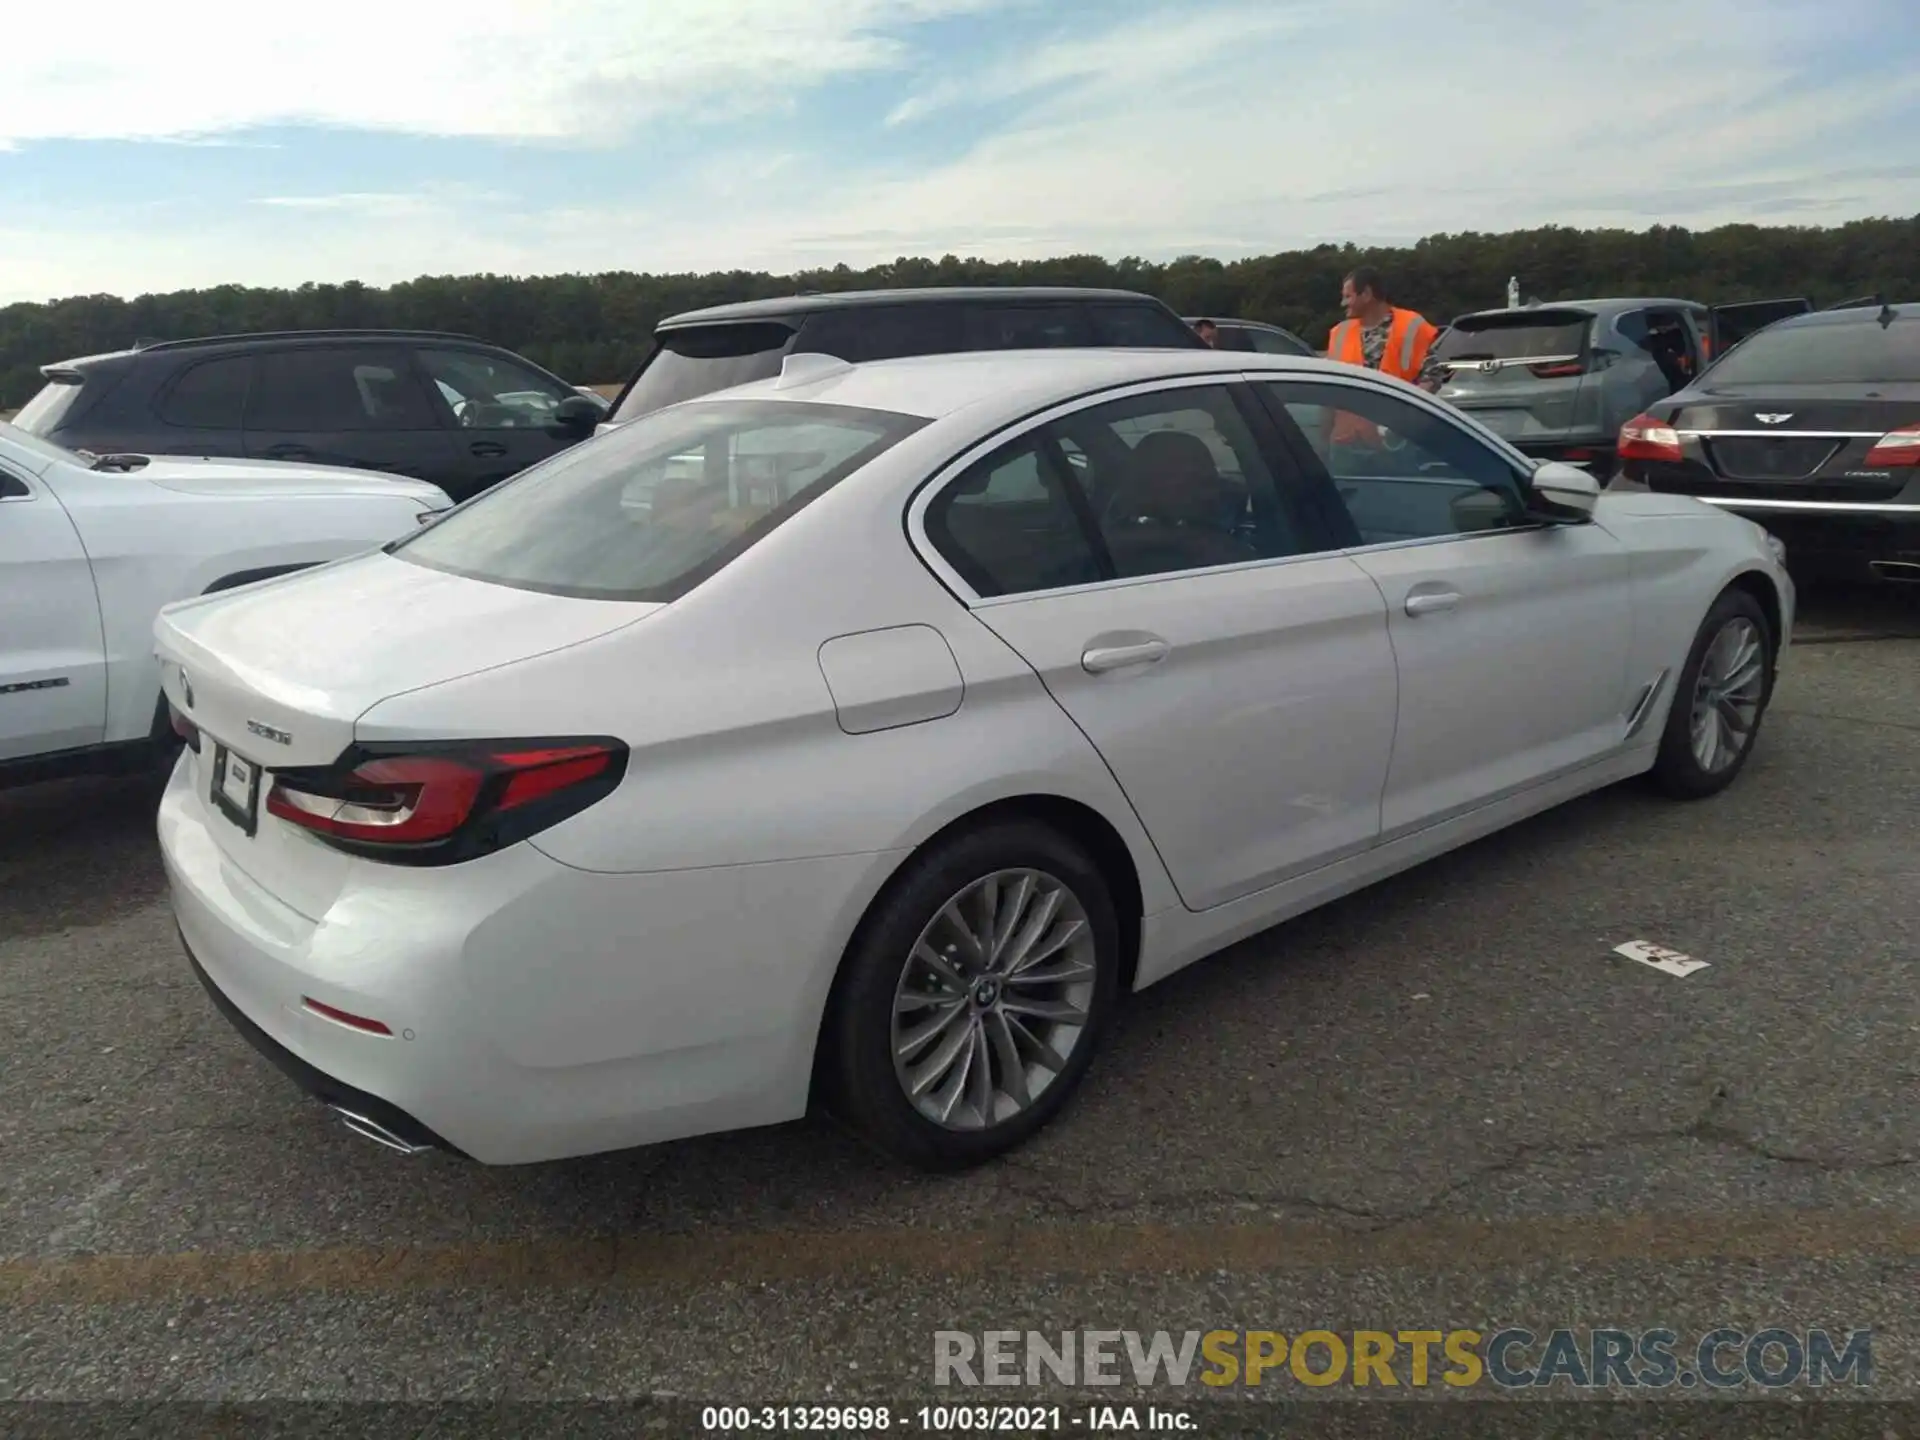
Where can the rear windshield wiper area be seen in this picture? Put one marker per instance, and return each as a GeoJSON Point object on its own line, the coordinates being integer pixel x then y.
{"type": "Point", "coordinates": [123, 464]}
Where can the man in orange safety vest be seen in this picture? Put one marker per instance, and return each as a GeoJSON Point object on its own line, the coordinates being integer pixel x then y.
{"type": "Point", "coordinates": [1380, 336]}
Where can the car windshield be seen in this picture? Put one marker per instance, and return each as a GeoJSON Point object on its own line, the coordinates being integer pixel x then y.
{"type": "Point", "coordinates": [650, 510]}
{"type": "Point", "coordinates": [1848, 354]}
{"type": "Point", "coordinates": [698, 360]}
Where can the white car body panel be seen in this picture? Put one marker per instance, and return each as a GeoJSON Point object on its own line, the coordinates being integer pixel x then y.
{"type": "Point", "coordinates": [800, 723]}
{"type": "Point", "coordinates": [94, 555]}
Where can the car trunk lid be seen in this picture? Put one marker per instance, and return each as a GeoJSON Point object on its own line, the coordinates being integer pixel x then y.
{"type": "Point", "coordinates": [1805, 441]}
{"type": "Point", "coordinates": [276, 678]}
{"type": "Point", "coordinates": [1520, 372]}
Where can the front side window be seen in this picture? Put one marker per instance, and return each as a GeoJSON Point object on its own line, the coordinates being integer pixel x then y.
{"type": "Point", "coordinates": [1401, 471]}
{"type": "Point", "coordinates": [1157, 484]}
{"type": "Point", "coordinates": [1278, 342]}
{"type": "Point", "coordinates": [1141, 326]}
{"type": "Point", "coordinates": [490, 392]}
{"type": "Point", "coordinates": [649, 511]}
{"type": "Point", "coordinates": [336, 391]}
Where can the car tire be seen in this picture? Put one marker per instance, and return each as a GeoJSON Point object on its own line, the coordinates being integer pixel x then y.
{"type": "Point", "coordinates": [984, 1012]}
{"type": "Point", "coordinates": [1715, 698]}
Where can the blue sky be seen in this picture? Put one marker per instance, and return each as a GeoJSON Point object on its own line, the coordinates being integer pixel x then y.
{"type": "Point", "coordinates": [152, 147]}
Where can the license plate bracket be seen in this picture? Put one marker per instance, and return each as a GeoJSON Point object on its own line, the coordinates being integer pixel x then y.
{"type": "Point", "coordinates": [235, 789]}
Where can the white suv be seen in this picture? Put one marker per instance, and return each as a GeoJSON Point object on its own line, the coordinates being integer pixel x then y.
{"type": "Point", "coordinates": [92, 547]}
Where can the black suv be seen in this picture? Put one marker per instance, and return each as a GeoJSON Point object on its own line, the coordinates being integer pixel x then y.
{"type": "Point", "coordinates": [443, 408]}
{"type": "Point", "coordinates": [701, 351]}
{"type": "Point", "coordinates": [1811, 426]}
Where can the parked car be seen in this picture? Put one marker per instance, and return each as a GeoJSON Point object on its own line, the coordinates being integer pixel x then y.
{"type": "Point", "coordinates": [90, 551]}
{"type": "Point", "coordinates": [1255, 335]}
{"type": "Point", "coordinates": [1558, 380]}
{"type": "Point", "coordinates": [702, 351]}
{"type": "Point", "coordinates": [447, 409]}
{"type": "Point", "coordinates": [1811, 427]}
{"type": "Point", "coordinates": [944, 704]}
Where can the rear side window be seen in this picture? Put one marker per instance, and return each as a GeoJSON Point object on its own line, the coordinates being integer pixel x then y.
{"type": "Point", "coordinates": [1529, 336]}
{"type": "Point", "coordinates": [1847, 354]}
{"type": "Point", "coordinates": [650, 510]}
{"type": "Point", "coordinates": [1029, 327]}
{"type": "Point", "coordinates": [696, 360]}
{"type": "Point", "coordinates": [211, 395]}
{"type": "Point", "coordinates": [54, 402]}
{"type": "Point", "coordinates": [337, 390]}
{"type": "Point", "coordinates": [885, 332]}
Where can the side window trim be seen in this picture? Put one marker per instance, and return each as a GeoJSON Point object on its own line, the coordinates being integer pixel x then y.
{"type": "Point", "coordinates": [1317, 476]}
{"type": "Point", "coordinates": [927, 490]}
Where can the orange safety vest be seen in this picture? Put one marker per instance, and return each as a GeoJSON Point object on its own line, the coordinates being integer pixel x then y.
{"type": "Point", "coordinates": [1409, 337]}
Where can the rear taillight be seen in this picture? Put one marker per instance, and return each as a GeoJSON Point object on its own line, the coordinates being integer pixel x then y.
{"type": "Point", "coordinates": [183, 727]}
{"type": "Point", "coordinates": [1896, 449]}
{"type": "Point", "coordinates": [1646, 438]}
{"type": "Point", "coordinates": [1559, 369]}
{"type": "Point", "coordinates": [437, 804]}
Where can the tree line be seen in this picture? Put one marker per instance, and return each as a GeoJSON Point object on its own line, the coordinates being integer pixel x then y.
{"type": "Point", "coordinates": [593, 329]}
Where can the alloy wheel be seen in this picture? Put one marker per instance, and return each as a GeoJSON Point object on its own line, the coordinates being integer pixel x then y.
{"type": "Point", "coordinates": [1726, 696]}
{"type": "Point", "coordinates": [993, 999]}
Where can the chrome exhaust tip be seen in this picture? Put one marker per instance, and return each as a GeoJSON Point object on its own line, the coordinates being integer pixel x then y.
{"type": "Point", "coordinates": [1895, 569]}
{"type": "Point", "coordinates": [376, 1132]}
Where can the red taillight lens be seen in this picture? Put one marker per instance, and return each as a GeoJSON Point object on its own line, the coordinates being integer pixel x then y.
{"type": "Point", "coordinates": [1645, 438]}
{"type": "Point", "coordinates": [1559, 370]}
{"type": "Point", "coordinates": [438, 804]}
{"type": "Point", "coordinates": [1896, 449]}
{"type": "Point", "coordinates": [346, 1017]}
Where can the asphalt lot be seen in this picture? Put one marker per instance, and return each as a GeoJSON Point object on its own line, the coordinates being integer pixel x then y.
{"type": "Point", "coordinates": [1442, 1103]}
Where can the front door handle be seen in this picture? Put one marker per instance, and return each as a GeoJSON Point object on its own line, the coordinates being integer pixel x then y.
{"type": "Point", "coordinates": [288, 452]}
{"type": "Point", "coordinates": [1098, 659]}
{"type": "Point", "coordinates": [487, 449]}
{"type": "Point", "coordinates": [1431, 602]}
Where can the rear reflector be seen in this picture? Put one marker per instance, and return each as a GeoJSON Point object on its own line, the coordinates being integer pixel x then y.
{"type": "Point", "coordinates": [1559, 370]}
{"type": "Point", "coordinates": [1896, 449]}
{"type": "Point", "coordinates": [1645, 438]}
{"type": "Point", "coordinates": [344, 1017]}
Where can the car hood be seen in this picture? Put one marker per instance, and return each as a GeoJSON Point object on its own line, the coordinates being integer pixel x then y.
{"type": "Point", "coordinates": [194, 475]}
{"type": "Point", "coordinates": [311, 652]}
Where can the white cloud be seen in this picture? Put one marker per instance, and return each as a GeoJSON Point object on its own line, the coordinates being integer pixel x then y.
{"type": "Point", "coordinates": [1235, 128]}
{"type": "Point", "coordinates": [587, 70]}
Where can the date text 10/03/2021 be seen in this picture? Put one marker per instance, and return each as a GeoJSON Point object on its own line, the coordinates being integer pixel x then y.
{"type": "Point", "coordinates": [946, 1419]}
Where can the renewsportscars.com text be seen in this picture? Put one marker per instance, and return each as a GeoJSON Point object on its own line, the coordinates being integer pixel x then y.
{"type": "Point", "coordinates": [1723, 1359]}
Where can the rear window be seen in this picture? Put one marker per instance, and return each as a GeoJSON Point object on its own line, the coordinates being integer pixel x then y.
{"type": "Point", "coordinates": [698, 360]}
{"type": "Point", "coordinates": [43, 414]}
{"type": "Point", "coordinates": [1855, 354]}
{"type": "Point", "coordinates": [1516, 337]}
{"type": "Point", "coordinates": [650, 510]}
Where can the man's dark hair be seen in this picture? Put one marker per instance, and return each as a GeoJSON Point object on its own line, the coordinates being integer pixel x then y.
{"type": "Point", "coordinates": [1366, 277]}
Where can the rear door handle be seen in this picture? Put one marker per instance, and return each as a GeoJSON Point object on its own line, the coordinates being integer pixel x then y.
{"type": "Point", "coordinates": [487, 449]}
{"type": "Point", "coordinates": [1431, 602]}
{"type": "Point", "coordinates": [1098, 659]}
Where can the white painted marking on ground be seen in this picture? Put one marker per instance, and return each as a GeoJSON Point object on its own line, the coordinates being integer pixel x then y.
{"type": "Point", "coordinates": [1667, 962]}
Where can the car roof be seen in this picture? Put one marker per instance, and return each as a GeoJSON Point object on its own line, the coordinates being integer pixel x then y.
{"type": "Point", "coordinates": [1610, 305]}
{"type": "Point", "coordinates": [783, 306]}
{"type": "Point", "coordinates": [1851, 315]}
{"type": "Point", "coordinates": [1010, 381]}
{"type": "Point", "coordinates": [256, 337]}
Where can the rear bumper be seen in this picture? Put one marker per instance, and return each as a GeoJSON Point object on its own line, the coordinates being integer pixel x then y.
{"type": "Point", "coordinates": [335, 1094]}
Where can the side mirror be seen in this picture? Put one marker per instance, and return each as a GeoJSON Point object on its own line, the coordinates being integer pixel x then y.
{"type": "Point", "coordinates": [577, 414]}
{"type": "Point", "coordinates": [1563, 493]}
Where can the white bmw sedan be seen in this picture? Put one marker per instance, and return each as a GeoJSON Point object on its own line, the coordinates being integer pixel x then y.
{"type": "Point", "coordinates": [866, 734]}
